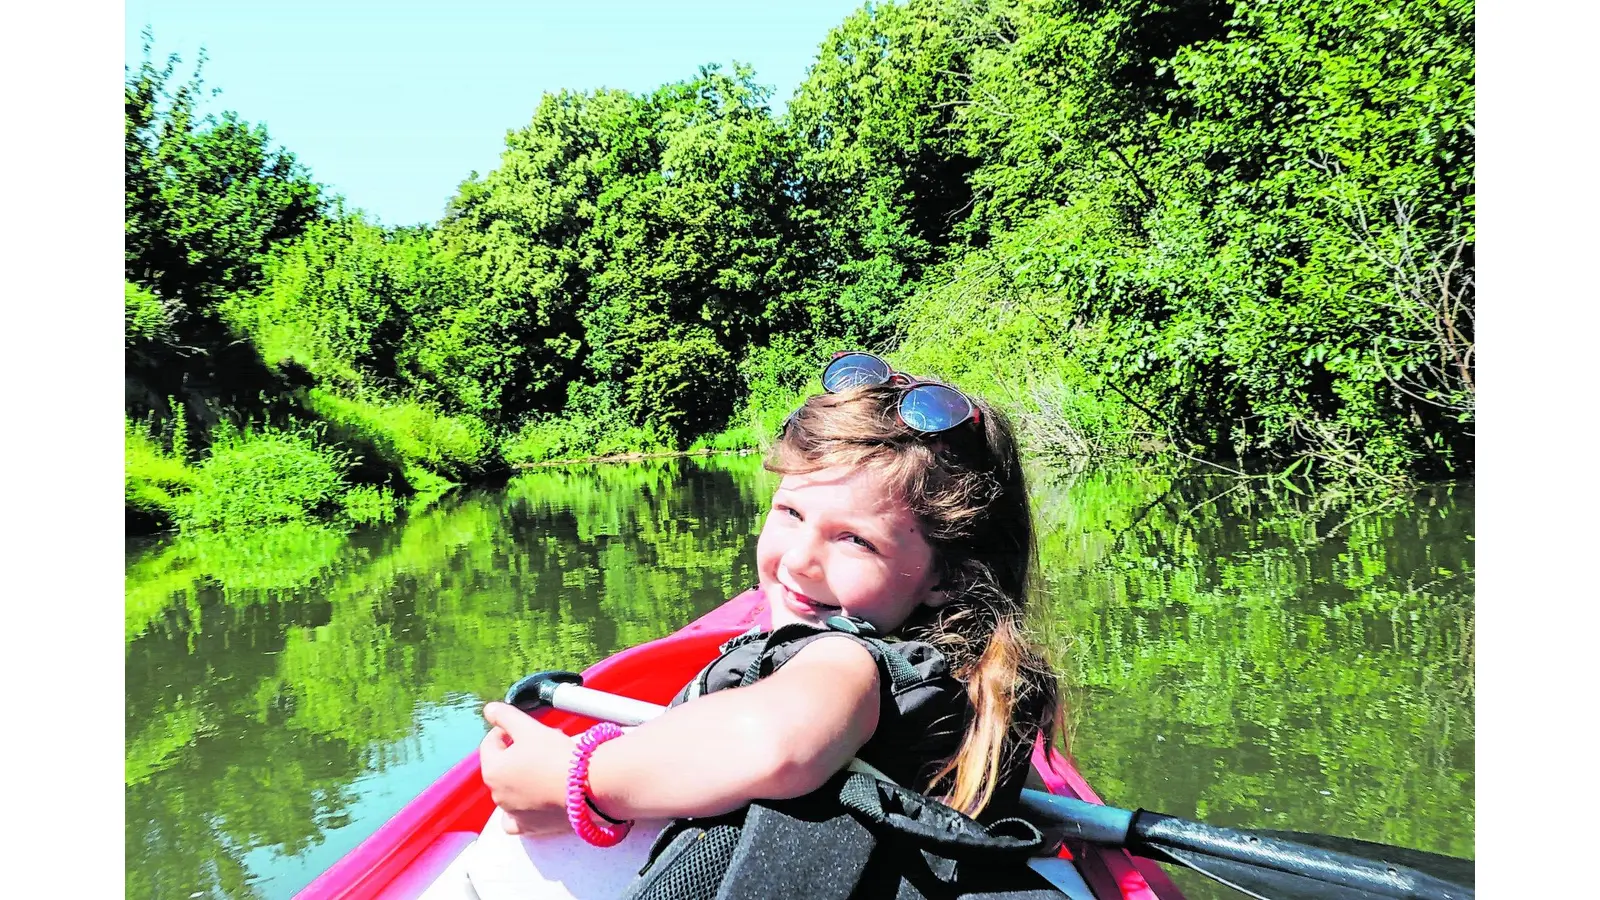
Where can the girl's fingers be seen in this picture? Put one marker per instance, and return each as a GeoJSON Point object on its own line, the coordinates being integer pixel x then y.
{"type": "Point", "coordinates": [512, 721]}
{"type": "Point", "coordinates": [496, 741]}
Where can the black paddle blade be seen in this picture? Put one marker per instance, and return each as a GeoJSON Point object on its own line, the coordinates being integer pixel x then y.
{"type": "Point", "coordinates": [1449, 868]}
{"type": "Point", "coordinates": [1268, 866]}
{"type": "Point", "coordinates": [1262, 883]}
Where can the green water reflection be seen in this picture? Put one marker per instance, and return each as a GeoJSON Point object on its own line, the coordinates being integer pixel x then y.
{"type": "Point", "coordinates": [1245, 658]}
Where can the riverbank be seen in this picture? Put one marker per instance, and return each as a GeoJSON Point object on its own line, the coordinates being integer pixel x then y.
{"type": "Point", "coordinates": [1179, 255]}
{"type": "Point", "coordinates": [632, 457]}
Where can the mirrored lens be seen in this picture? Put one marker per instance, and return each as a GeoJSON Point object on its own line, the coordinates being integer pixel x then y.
{"type": "Point", "coordinates": [854, 370]}
{"type": "Point", "coordinates": [934, 407]}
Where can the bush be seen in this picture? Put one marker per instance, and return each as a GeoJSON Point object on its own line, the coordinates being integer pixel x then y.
{"type": "Point", "coordinates": [577, 437]}
{"type": "Point", "coordinates": [274, 475]}
{"type": "Point", "coordinates": [734, 437]}
{"type": "Point", "coordinates": [543, 440]}
{"type": "Point", "coordinates": [683, 386]}
{"type": "Point", "coordinates": [593, 423]}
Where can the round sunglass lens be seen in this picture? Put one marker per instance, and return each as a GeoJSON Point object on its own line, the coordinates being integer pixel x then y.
{"type": "Point", "coordinates": [854, 370]}
{"type": "Point", "coordinates": [934, 407]}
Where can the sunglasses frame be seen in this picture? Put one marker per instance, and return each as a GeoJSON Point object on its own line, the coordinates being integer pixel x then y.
{"type": "Point", "coordinates": [910, 382]}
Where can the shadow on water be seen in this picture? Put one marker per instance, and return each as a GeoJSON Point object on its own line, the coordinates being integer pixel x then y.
{"type": "Point", "coordinates": [1242, 658]}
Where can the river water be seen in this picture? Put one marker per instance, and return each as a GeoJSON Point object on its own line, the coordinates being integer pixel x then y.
{"type": "Point", "coordinates": [1239, 652]}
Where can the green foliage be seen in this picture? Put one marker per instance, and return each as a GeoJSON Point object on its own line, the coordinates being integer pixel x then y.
{"type": "Point", "coordinates": [206, 198]}
{"type": "Point", "coordinates": [154, 478]}
{"type": "Point", "coordinates": [329, 303]}
{"type": "Point", "coordinates": [406, 433]}
{"type": "Point", "coordinates": [179, 440]}
{"type": "Point", "coordinates": [258, 477]}
{"type": "Point", "coordinates": [776, 378]}
{"type": "Point", "coordinates": [884, 175]}
{"type": "Point", "coordinates": [990, 325]}
{"type": "Point", "coordinates": [145, 319]}
{"type": "Point", "coordinates": [682, 384]}
{"type": "Point", "coordinates": [367, 504]}
{"type": "Point", "coordinates": [632, 241]}
{"type": "Point", "coordinates": [1234, 230]}
{"type": "Point", "coordinates": [543, 441]}
{"type": "Point", "coordinates": [593, 425]}
{"type": "Point", "coordinates": [1251, 222]}
{"type": "Point", "coordinates": [206, 195]}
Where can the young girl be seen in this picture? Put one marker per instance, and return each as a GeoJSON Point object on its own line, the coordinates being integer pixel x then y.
{"type": "Point", "coordinates": [902, 505]}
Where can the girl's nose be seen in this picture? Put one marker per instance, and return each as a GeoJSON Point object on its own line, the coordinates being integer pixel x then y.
{"type": "Point", "coordinates": [803, 558]}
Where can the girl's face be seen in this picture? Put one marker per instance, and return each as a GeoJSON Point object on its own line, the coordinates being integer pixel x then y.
{"type": "Point", "coordinates": [834, 543]}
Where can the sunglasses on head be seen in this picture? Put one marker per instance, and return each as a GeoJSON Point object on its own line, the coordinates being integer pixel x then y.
{"type": "Point", "coordinates": [925, 406]}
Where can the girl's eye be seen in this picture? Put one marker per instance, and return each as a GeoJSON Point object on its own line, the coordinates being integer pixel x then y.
{"type": "Point", "coordinates": [787, 510]}
{"type": "Point", "coordinates": [861, 542]}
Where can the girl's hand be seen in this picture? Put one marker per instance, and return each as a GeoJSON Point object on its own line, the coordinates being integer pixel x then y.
{"type": "Point", "coordinates": [525, 765]}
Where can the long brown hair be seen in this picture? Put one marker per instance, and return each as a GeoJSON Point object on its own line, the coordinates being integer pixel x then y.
{"type": "Point", "coordinates": [967, 490]}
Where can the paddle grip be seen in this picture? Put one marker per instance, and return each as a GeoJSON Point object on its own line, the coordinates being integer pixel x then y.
{"type": "Point", "coordinates": [565, 691]}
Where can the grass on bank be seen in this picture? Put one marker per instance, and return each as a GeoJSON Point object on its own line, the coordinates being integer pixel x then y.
{"type": "Point", "coordinates": [431, 451]}
{"type": "Point", "coordinates": [355, 462]}
{"type": "Point", "coordinates": [255, 476]}
{"type": "Point", "coordinates": [557, 438]}
{"type": "Point", "coordinates": [154, 477]}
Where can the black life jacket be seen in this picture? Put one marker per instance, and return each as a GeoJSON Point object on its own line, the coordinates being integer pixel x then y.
{"type": "Point", "coordinates": [855, 838]}
{"type": "Point", "coordinates": [923, 710]}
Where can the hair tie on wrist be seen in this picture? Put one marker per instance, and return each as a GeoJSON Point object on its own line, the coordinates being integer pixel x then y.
{"type": "Point", "coordinates": [589, 802]}
{"type": "Point", "coordinates": [578, 801]}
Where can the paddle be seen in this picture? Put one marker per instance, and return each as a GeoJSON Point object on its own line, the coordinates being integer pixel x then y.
{"type": "Point", "coordinates": [1268, 865]}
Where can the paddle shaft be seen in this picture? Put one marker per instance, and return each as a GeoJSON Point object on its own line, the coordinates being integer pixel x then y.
{"type": "Point", "coordinates": [1140, 831]}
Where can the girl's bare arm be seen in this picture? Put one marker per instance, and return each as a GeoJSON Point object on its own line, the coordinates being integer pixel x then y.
{"type": "Point", "coordinates": [781, 737]}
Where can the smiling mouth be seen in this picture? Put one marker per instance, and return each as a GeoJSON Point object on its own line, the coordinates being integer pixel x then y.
{"type": "Point", "coordinates": [803, 600]}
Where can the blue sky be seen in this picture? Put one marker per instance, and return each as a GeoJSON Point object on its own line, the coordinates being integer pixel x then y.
{"type": "Point", "coordinates": [392, 104]}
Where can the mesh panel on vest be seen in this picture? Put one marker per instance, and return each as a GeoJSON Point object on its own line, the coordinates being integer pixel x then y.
{"type": "Point", "coordinates": [696, 867]}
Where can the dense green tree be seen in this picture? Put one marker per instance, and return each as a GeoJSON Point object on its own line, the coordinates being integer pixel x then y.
{"type": "Point", "coordinates": [694, 256]}
{"type": "Point", "coordinates": [1249, 221]}
{"type": "Point", "coordinates": [515, 235]}
{"type": "Point", "coordinates": [631, 241]}
{"type": "Point", "coordinates": [883, 173]}
{"type": "Point", "coordinates": [1229, 228]}
{"type": "Point", "coordinates": [206, 197]}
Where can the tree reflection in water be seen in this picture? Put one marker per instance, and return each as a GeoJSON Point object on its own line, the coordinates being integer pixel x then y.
{"type": "Point", "coordinates": [1242, 658]}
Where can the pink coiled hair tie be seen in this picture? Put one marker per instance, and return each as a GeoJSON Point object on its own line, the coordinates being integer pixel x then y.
{"type": "Point", "coordinates": [578, 805]}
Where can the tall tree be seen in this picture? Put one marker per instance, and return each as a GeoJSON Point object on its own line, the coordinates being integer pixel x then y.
{"type": "Point", "coordinates": [881, 166]}
{"type": "Point", "coordinates": [206, 197]}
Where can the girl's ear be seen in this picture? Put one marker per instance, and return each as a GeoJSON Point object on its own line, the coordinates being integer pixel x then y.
{"type": "Point", "coordinates": [937, 596]}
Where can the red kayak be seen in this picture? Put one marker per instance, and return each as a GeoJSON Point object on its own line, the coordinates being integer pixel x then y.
{"type": "Point", "coordinates": [402, 858]}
